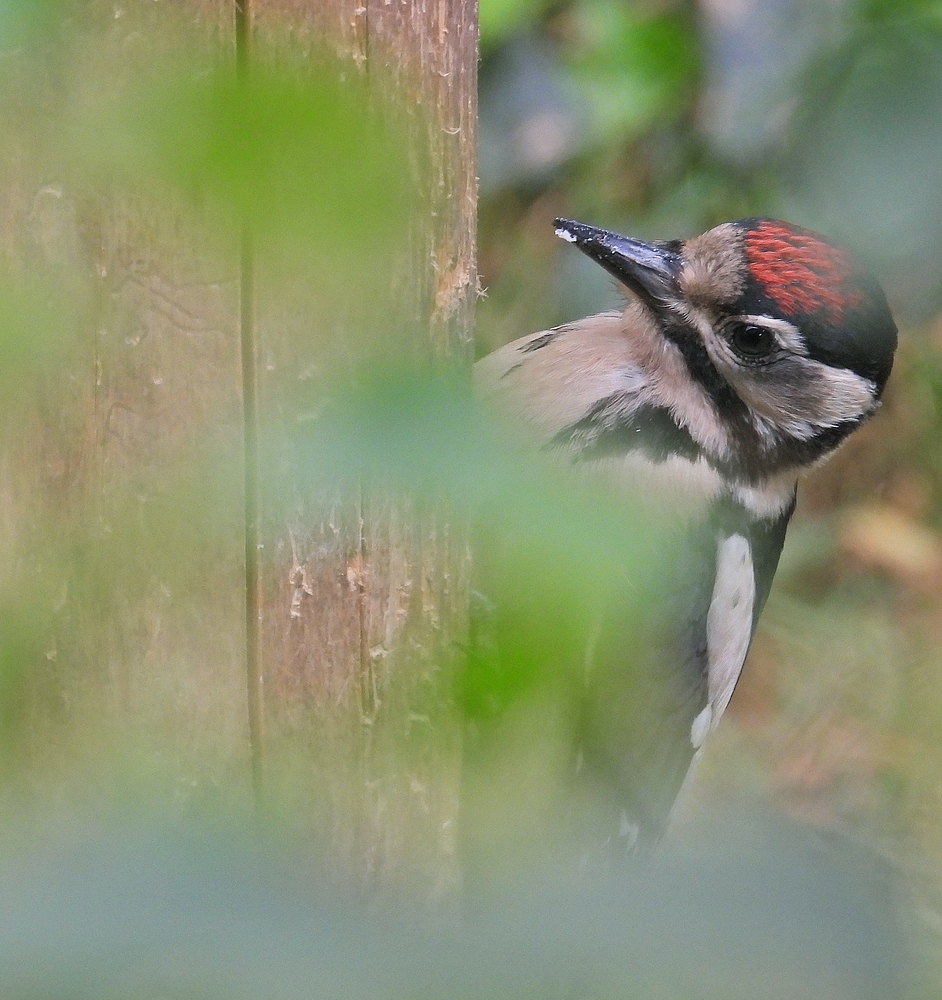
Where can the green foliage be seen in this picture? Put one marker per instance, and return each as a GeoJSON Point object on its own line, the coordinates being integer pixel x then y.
{"type": "Point", "coordinates": [635, 66]}
{"type": "Point", "coordinates": [153, 913]}
{"type": "Point", "coordinates": [29, 21]}
{"type": "Point", "coordinates": [38, 327]}
{"type": "Point", "coordinates": [553, 551]}
{"type": "Point", "coordinates": [500, 18]}
{"type": "Point", "coordinates": [688, 116]}
{"type": "Point", "coordinates": [312, 161]}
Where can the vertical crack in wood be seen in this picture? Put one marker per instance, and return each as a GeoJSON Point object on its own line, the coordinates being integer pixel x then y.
{"type": "Point", "coordinates": [98, 527]}
{"type": "Point", "coordinates": [369, 701]}
{"type": "Point", "coordinates": [253, 659]}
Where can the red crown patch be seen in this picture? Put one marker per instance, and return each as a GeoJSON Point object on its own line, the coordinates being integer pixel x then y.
{"type": "Point", "coordinates": [800, 272]}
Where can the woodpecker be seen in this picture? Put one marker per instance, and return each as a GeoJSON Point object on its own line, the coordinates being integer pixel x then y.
{"type": "Point", "coordinates": [743, 358]}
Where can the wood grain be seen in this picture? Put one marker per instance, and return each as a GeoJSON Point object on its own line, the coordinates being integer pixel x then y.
{"type": "Point", "coordinates": [128, 454]}
{"type": "Point", "coordinates": [365, 595]}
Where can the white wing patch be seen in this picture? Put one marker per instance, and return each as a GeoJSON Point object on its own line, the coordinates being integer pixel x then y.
{"type": "Point", "coordinates": [729, 631]}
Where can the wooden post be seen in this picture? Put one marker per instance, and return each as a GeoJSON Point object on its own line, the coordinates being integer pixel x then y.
{"type": "Point", "coordinates": [123, 532]}
{"type": "Point", "coordinates": [361, 597]}
{"type": "Point", "coordinates": [364, 597]}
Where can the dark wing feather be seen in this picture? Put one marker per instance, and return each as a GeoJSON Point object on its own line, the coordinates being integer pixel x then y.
{"type": "Point", "coordinates": [767, 537]}
{"type": "Point", "coordinates": [651, 679]}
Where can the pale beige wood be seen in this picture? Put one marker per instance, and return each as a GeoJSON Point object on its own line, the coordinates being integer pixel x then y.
{"type": "Point", "coordinates": [141, 672]}
{"type": "Point", "coordinates": [123, 494]}
{"type": "Point", "coordinates": [364, 603]}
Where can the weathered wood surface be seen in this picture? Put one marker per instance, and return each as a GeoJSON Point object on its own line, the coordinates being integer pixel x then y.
{"type": "Point", "coordinates": [362, 597]}
{"type": "Point", "coordinates": [142, 666]}
{"type": "Point", "coordinates": [365, 597]}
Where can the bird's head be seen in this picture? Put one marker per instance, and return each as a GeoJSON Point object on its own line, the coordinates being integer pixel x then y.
{"type": "Point", "coordinates": [783, 335]}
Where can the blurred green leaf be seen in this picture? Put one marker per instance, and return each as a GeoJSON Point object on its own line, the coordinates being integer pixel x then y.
{"type": "Point", "coordinates": [141, 913]}
{"type": "Point", "coordinates": [894, 11]}
{"type": "Point", "coordinates": [315, 162]}
{"type": "Point", "coordinates": [633, 64]}
{"type": "Point", "coordinates": [24, 652]}
{"type": "Point", "coordinates": [38, 329]}
{"type": "Point", "coordinates": [500, 18]}
{"type": "Point", "coordinates": [555, 550]}
{"type": "Point", "coordinates": [863, 162]}
{"type": "Point", "coordinates": [26, 21]}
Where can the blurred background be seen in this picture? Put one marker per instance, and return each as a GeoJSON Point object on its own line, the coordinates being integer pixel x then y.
{"type": "Point", "coordinates": [661, 120]}
{"type": "Point", "coordinates": [405, 840]}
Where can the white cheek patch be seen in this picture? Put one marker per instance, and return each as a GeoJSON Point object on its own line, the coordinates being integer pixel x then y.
{"type": "Point", "coordinates": [729, 631]}
{"type": "Point", "coordinates": [815, 397]}
{"type": "Point", "coordinates": [844, 394]}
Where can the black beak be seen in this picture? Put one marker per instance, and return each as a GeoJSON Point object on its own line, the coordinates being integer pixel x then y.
{"type": "Point", "coordinates": [648, 269]}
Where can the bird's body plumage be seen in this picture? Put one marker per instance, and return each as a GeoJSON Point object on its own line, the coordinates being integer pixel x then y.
{"type": "Point", "coordinates": [583, 392]}
{"type": "Point", "coordinates": [729, 373]}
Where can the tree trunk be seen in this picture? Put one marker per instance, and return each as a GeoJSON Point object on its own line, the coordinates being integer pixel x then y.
{"type": "Point", "coordinates": [132, 459]}
{"type": "Point", "coordinates": [363, 596]}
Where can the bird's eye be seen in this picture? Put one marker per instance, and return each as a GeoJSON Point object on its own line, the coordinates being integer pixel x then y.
{"type": "Point", "coordinates": [751, 342]}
